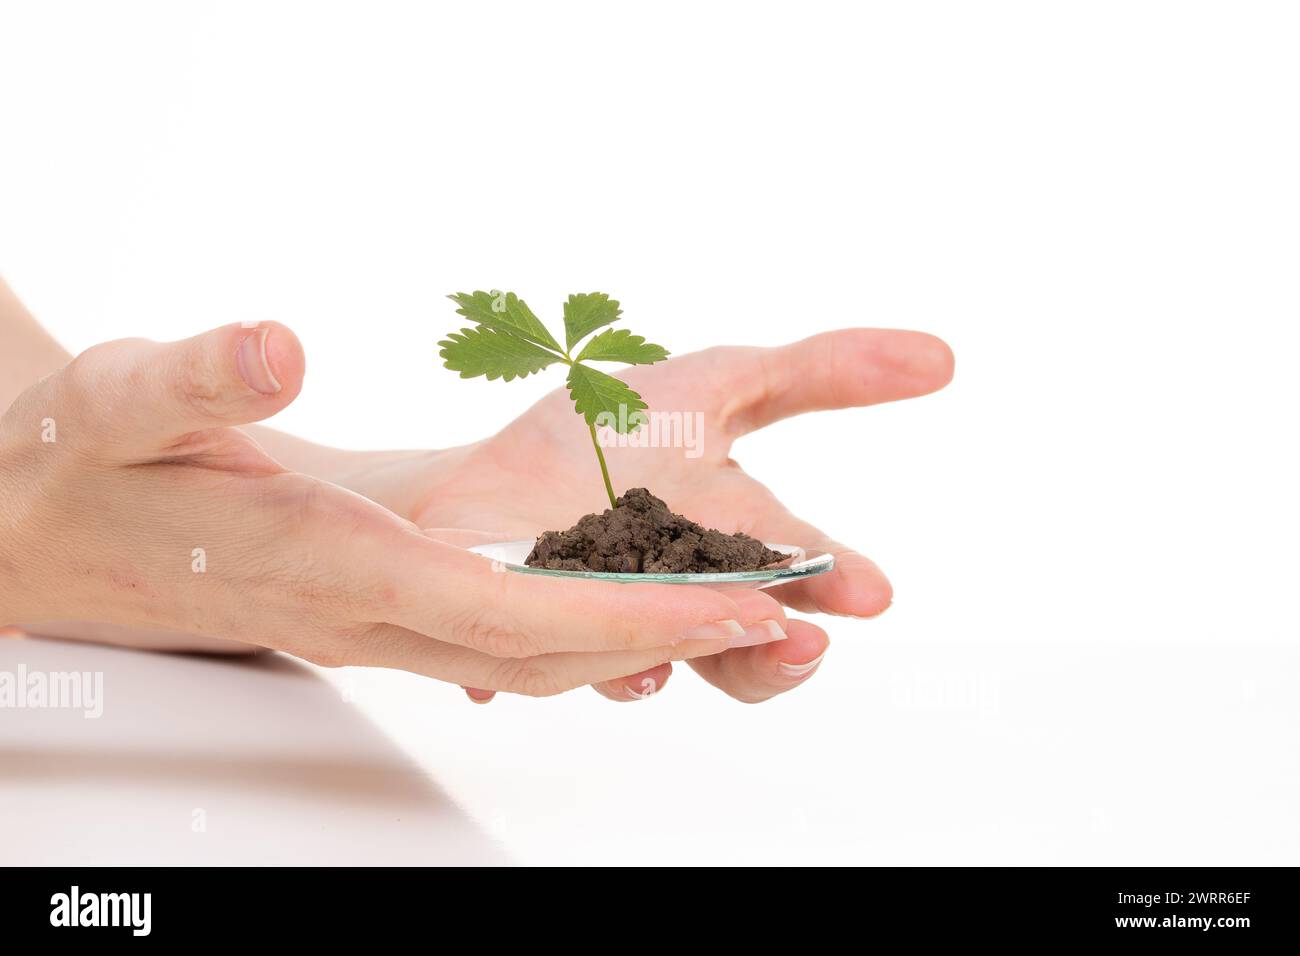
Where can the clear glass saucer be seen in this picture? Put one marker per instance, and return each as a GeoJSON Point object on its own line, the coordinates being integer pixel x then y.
{"type": "Point", "coordinates": [807, 563]}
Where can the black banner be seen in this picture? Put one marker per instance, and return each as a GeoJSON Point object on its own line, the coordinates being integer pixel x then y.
{"type": "Point", "coordinates": [1177, 905]}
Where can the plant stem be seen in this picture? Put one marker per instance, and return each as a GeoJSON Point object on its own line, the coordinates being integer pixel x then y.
{"type": "Point", "coordinates": [604, 469]}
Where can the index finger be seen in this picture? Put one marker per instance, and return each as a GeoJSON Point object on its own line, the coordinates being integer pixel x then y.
{"type": "Point", "coordinates": [463, 598]}
{"type": "Point", "coordinates": [855, 588]}
{"type": "Point", "coordinates": [843, 369]}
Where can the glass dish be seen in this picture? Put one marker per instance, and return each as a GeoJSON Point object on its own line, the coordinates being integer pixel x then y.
{"type": "Point", "coordinates": [510, 556]}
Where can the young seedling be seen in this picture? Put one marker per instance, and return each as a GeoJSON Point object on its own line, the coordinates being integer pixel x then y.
{"type": "Point", "coordinates": [510, 342]}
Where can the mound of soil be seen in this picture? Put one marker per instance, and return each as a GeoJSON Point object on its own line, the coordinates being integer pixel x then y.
{"type": "Point", "coordinates": [642, 535]}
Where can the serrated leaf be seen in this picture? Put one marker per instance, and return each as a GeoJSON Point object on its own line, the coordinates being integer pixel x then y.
{"type": "Point", "coordinates": [585, 312]}
{"type": "Point", "coordinates": [504, 312]}
{"type": "Point", "coordinates": [483, 351]}
{"type": "Point", "coordinates": [620, 345]}
{"type": "Point", "coordinates": [595, 393]}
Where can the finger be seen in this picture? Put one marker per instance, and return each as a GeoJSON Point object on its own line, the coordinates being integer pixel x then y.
{"type": "Point", "coordinates": [843, 369]}
{"type": "Point", "coordinates": [456, 596]}
{"type": "Point", "coordinates": [854, 588]}
{"type": "Point", "coordinates": [756, 674]}
{"type": "Point", "coordinates": [384, 645]}
{"type": "Point", "coordinates": [637, 687]}
{"type": "Point", "coordinates": [148, 395]}
{"type": "Point", "coordinates": [478, 695]}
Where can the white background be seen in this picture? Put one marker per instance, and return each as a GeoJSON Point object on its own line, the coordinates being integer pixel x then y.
{"type": "Point", "coordinates": [1092, 532]}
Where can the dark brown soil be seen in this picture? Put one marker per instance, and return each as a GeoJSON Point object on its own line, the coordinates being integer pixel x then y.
{"type": "Point", "coordinates": [642, 535]}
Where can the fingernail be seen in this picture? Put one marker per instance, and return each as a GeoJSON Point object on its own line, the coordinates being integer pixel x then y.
{"type": "Point", "coordinates": [648, 689]}
{"type": "Point", "coordinates": [718, 631]}
{"type": "Point", "coordinates": [764, 632]}
{"type": "Point", "coordinates": [254, 368]}
{"type": "Point", "coordinates": [480, 696]}
{"type": "Point", "coordinates": [797, 671]}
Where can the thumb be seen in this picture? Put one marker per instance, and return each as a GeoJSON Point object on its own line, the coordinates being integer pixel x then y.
{"type": "Point", "coordinates": [148, 394]}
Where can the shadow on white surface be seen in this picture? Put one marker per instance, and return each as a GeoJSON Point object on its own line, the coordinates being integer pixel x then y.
{"type": "Point", "coordinates": [212, 760]}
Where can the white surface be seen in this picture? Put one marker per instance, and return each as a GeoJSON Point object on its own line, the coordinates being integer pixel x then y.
{"type": "Point", "coordinates": [215, 761]}
{"type": "Point", "coordinates": [903, 753]}
{"type": "Point", "coordinates": [1095, 204]}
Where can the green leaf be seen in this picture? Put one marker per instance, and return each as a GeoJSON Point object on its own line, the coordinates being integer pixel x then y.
{"type": "Point", "coordinates": [585, 312]}
{"type": "Point", "coordinates": [484, 351]}
{"type": "Point", "coordinates": [594, 393]}
{"type": "Point", "coordinates": [505, 312]}
{"type": "Point", "coordinates": [620, 345]}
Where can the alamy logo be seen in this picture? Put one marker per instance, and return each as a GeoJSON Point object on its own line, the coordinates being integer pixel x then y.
{"type": "Point", "coordinates": [634, 428]}
{"type": "Point", "coordinates": [53, 690]}
{"type": "Point", "coordinates": [102, 909]}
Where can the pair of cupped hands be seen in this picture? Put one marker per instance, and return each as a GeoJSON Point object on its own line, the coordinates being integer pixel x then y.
{"type": "Point", "coordinates": [138, 510]}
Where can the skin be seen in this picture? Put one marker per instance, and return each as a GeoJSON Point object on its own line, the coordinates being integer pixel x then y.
{"type": "Point", "coordinates": [538, 474]}
{"type": "Point", "coordinates": [357, 557]}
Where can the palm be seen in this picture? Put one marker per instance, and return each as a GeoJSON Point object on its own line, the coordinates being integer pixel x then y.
{"type": "Point", "coordinates": [540, 472]}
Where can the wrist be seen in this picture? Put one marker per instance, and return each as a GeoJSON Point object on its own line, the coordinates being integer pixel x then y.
{"type": "Point", "coordinates": [19, 598]}
{"type": "Point", "coordinates": [13, 604]}
{"type": "Point", "coordinates": [401, 481]}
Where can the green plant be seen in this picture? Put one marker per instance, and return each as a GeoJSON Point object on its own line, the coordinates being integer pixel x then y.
{"type": "Point", "coordinates": [509, 342]}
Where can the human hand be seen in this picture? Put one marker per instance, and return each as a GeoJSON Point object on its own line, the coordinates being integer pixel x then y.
{"type": "Point", "coordinates": [127, 497]}
{"type": "Point", "coordinates": [538, 474]}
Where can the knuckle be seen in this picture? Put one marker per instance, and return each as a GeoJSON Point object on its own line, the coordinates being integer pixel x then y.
{"type": "Point", "coordinates": [501, 632]}
{"type": "Point", "coordinates": [480, 630]}
{"type": "Point", "coordinates": [527, 678]}
{"type": "Point", "coordinates": [93, 390]}
{"type": "Point", "coordinates": [78, 375]}
{"type": "Point", "coordinates": [83, 377]}
{"type": "Point", "coordinates": [621, 635]}
{"type": "Point", "coordinates": [87, 372]}
{"type": "Point", "coordinates": [327, 653]}
{"type": "Point", "coordinates": [322, 657]}
{"type": "Point", "coordinates": [620, 623]}
{"type": "Point", "coordinates": [720, 354]}
{"type": "Point", "coordinates": [199, 386]}
{"type": "Point", "coordinates": [499, 641]}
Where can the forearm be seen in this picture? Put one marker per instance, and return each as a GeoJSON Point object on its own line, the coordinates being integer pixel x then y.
{"type": "Point", "coordinates": [29, 353]}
